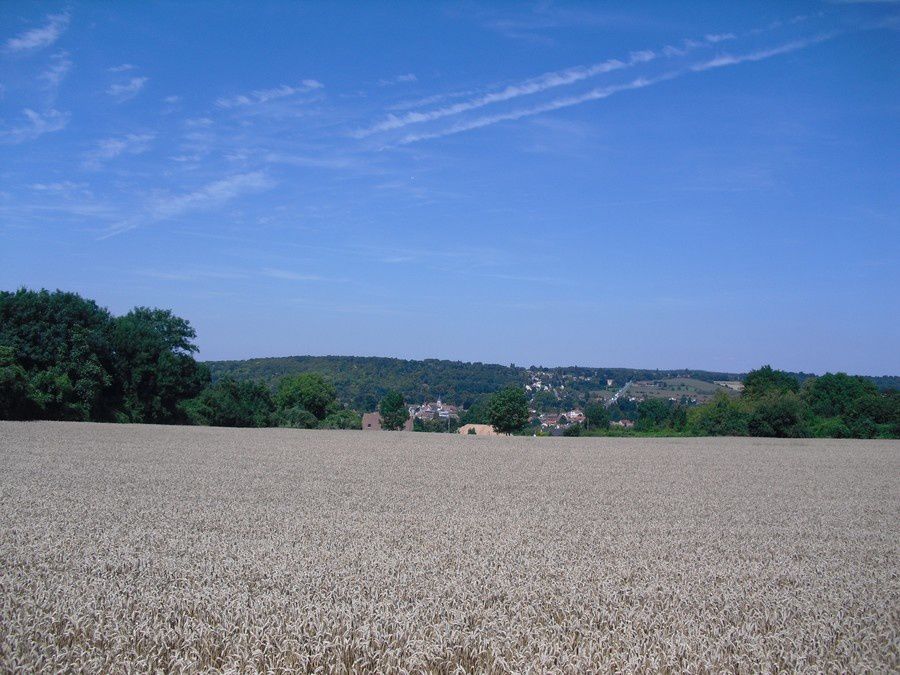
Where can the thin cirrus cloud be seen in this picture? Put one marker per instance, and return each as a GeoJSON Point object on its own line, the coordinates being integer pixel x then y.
{"type": "Point", "coordinates": [761, 55]}
{"type": "Point", "coordinates": [289, 275]}
{"type": "Point", "coordinates": [127, 90]}
{"type": "Point", "coordinates": [605, 92]}
{"type": "Point", "coordinates": [56, 72]}
{"type": "Point", "coordinates": [208, 197]}
{"type": "Point", "coordinates": [265, 95]}
{"type": "Point", "coordinates": [110, 148]}
{"type": "Point", "coordinates": [552, 80]}
{"type": "Point", "coordinates": [36, 124]}
{"type": "Point", "coordinates": [38, 38]}
{"type": "Point", "coordinates": [399, 79]}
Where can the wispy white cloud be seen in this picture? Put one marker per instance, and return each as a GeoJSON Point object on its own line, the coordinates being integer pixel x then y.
{"type": "Point", "coordinates": [198, 122]}
{"type": "Point", "coordinates": [38, 38]}
{"type": "Point", "coordinates": [264, 95]}
{"type": "Point", "coordinates": [210, 196]}
{"type": "Point", "coordinates": [316, 162]}
{"type": "Point", "coordinates": [213, 194]}
{"type": "Point", "coordinates": [192, 274]}
{"type": "Point", "coordinates": [429, 100]}
{"type": "Point", "coordinates": [127, 90]}
{"type": "Point", "coordinates": [399, 79]}
{"type": "Point", "coordinates": [557, 104]}
{"type": "Point", "coordinates": [761, 55]}
{"type": "Point", "coordinates": [110, 148]}
{"type": "Point", "coordinates": [121, 69]}
{"type": "Point", "coordinates": [62, 186]}
{"type": "Point", "coordinates": [56, 72]}
{"type": "Point", "coordinates": [36, 124]}
{"type": "Point", "coordinates": [605, 92]}
{"type": "Point", "coordinates": [533, 86]}
{"type": "Point", "coordinates": [552, 80]}
{"type": "Point", "coordinates": [289, 275]}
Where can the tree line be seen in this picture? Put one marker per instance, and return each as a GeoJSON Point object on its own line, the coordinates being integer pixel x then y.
{"type": "Point", "coordinates": [773, 404]}
{"type": "Point", "coordinates": [63, 357]}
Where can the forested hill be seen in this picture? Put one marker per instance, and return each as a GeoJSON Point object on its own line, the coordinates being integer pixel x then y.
{"type": "Point", "coordinates": [362, 381]}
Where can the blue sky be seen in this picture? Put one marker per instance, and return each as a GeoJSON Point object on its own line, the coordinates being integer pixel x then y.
{"type": "Point", "coordinates": [707, 185]}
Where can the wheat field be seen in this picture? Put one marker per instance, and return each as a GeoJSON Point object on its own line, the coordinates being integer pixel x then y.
{"type": "Point", "coordinates": [137, 548]}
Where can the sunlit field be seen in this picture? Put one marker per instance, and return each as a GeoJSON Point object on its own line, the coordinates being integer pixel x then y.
{"type": "Point", "coordinates": [174, 548]}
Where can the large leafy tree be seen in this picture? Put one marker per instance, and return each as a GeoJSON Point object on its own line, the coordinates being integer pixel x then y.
{"type": "Point", "coordinates": [509, 410]}
{"type": "Point", "coordinates": [780, 415]}
{"type": "Point", "coordinates": [722, 416]}
{"type": "Point", "coordinates": [342, 419]}
{"type": "Point", "coordinates": [15, 399]}
{"type": "Point", "coordinates": [838, 394]}
{"type": "Point", "coordinates": [62, 342]}
{"type": "Point", "coordinates": [479, 412]}
{"type": "Point", "coordinates": [393, 410]}
{"type": "Point", "coordinates": [155, 365]}
{"type": "Point", "coordinates": [766, 380]}
{"type": "Point", "coordinates": [653, 414]}
{"type": "Point", "coordinates": [596, 416]}
{"type": "Point", "coordinates": [307, 391]}
{"type": "Point", "coordinates": [228, 403]}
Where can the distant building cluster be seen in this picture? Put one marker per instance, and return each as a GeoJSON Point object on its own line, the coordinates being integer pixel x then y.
{"type": "Point", "coordinates": [562, 421]}
{"type": "Point", "coordinates": [434, 411]}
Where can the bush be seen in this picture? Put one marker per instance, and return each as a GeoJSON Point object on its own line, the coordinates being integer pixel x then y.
{"type": "Point", "coordinates": [342, 419]}
{"type": "Point", "coordinates": [231, 404]}
{"type": "Point", "coordinates": [780, 416]}
{"type": "Point", "coordinates": [296, 417]}
{"type": "Point", "coordinates": [573, 430]}
{"type": "Point", "coordinates": [309, 391]}
{"type": "Point", "coordinates": [831, 427]}
{"type": "Point", "coordinates": [723, 416]}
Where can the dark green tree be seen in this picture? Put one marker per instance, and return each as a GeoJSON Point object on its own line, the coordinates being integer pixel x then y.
{"type": "Point", "coordinates": [61, 341]}
{"type": "Point", "coordinates": [228, 403]}
{"type": "Point", "coordinates": [15, 394]}
{"type": "Point", "coordinates": [479, 412]}
{"type": "Point", "coordinates": [342, 419]}
{"type": "Point", "coordinates": [779, 415]}
{"type": "Point", "coordinates": [573, 430]}
{"type": "Point", "coordinates": [723, 416]}
{"type": "Point", "coordinates": [596, 416]}
{"type": "Point", "coordinates": [393, 410]}
{"type": "Point", "coordinates": [296, 417]}
{"type": "Point", "coordinates": [653, 414]}
{"type": "Point", "coordinates": [838, 394]}
{"type": "Point", "coordinates": [766, 380]}
{"type": "Point", "coordinates": [545, 401]}
{"type": "Point", "coordinates": [509, 410]}
{"type": "Point", "coordinates": [309, 391]}
{"type": "Point", "coordinates": [155, 367]}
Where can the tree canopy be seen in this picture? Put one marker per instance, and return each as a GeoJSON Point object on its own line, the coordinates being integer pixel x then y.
{"type": "Point", "coordinates": [509, 410]}
{"type": "Point", "coordinates": [766, 380]}
{"type": "Point", "coordinates": [309, 391]}
{"type": "Point", "coordinates": [81, 363]}
{"type": "Point", "coordinates": [393, 411]}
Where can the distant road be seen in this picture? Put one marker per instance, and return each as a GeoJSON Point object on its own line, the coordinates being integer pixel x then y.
{"type": "Point", "coordinates": [616, 396]}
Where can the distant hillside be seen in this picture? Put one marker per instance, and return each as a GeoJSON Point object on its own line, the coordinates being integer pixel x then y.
{"type": "Point", "coordinates": [361, 381]}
